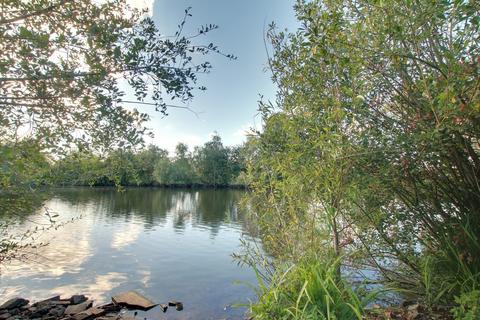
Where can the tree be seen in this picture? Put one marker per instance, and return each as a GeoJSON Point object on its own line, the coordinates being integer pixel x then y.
{"type": "Point", "coordinates": [22, 168]}
{"type": "Point", "coordinates": [182, 171]}
{"type": "Point", "coordinates": [236, 161]}
{"type": "Point", "coordinates": [162, 171]}
{"type": "Point", "coordinates": [144, 163]}
{"type": "Point", "coordinates": [372, 145]}
{"type": "Point", "coordinates": [78, 169]}
{"type": "Point", "coordinates": [212, 162]}
{"type": "Point", "coordinates": [176, 171]}
{"type": "Point", "coordinates": [61, 63]}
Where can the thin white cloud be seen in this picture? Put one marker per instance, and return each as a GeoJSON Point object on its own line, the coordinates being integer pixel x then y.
{"type": "Point", "coordinates": [97, 288]}
{"type": "Point", "coordinates": [70, 247]}
{"type": "Point", "coordinates": [127, 236]}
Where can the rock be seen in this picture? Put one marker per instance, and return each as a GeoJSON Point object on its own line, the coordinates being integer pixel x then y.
{"type": "Point", "coordinates": [57, 311]}
{"type": "Point", "coordinates": [133, 299]}
{"type": "Point", "coordinates": [172, 303]}
{"type": "Point", "coordinates": [109, 307]}
{"type": "Point", "coordinates": [14, 312]}
{"type": "Point", "coordinates": [5, 316]}
{"type": "Point", "coordinates": [47, 301]}
{"type": "Point", "coordinates": [108, 317]}
{"type": "Point", "coordinates": [40, 309]}
{"type": "Point", "coordinates": [413, 311]}
{"type": "Point", "coordinates": [37, 312]}
{"type": "Point", "coordinates": [77, 308]}
{"type": "Point", "coordinates": [407, 303]}
{"type": "Point", "coordinates": [78, 298]}
{"type": "Point", "coordinates": [61, 302]}
{"type": "Point", "coordinates": [164, 307]}
{"type": "Point", "coordinates": [14, 303]}
{"type": "Point", "coordinates": [179, 306]}
{"type": "Point", "coordinates": [127, 317]}
{"type": "Point", "coordinates": [90, 313]}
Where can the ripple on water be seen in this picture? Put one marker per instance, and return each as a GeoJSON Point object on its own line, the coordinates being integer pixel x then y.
{"type": "Point", "coordinates": [167, 244]}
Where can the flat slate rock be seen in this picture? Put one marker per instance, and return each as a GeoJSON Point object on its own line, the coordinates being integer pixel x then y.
{"type": "Point", "coordinates": [164, 307]}
{"type": "Point", "coordinates": [77, 308]}
{"type": "Point", "coordinates": [177, 304]}
{"type": "Point", "coordinates": [134, 300]}
{"type": "Point", "coordinates": [5, 316]}
{"type": "Point", "coordinates": [90, 313]}
{"type": "Point", "coordinates": [110, 307]}
{"type": "Point", "coordinates": [14, 303]}
{"type": "Point", "coordinates": [47, 301]}
{"type": "Point", "coordinates": [78, 298]}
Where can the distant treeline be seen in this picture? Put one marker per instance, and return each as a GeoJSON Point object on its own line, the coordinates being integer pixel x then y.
{"type": "Point", "coordinates": [212, 164]}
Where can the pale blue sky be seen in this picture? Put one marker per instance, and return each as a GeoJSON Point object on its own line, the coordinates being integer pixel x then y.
{"type": "Point", "coordinates": [229, 105]}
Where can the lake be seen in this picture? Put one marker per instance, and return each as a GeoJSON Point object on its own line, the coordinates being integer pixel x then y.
{"type": "Point", "coordinates": [164, 243]}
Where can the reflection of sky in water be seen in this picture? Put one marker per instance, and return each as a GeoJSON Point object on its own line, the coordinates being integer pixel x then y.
{"type": "Point", "coordinates": [167, 244]}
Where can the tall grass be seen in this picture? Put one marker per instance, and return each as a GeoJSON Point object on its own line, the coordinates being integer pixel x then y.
{"type": "Point", "coordinates": [310, 290]}
{"type": "Point", "coordinates": [451, 271]}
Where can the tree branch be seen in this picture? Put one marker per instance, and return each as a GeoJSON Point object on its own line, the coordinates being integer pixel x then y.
{"type": "Point", "coordinates": [35, 13]}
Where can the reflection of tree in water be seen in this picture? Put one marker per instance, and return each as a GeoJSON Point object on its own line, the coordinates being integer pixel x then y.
{"type": "Point", "coordinates": [17, 242]}
{"type": "Point", "coordinates": [184, 208]}
{"type": "Point", "coordinates": [22, 205]}
{"type": "Point", "coordinates": [207, 208]}
{"type": "Point", "coordinates": [214, 207]}
{"type": "Point", "coordinates": [149, 205]}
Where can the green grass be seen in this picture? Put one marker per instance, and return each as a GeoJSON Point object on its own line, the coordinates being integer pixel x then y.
{"type": "Point", "coordinates": [310, 290]}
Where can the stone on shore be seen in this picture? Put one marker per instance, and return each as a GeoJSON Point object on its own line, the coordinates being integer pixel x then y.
{"type": "Point", "coordinates": [133, 299]}
{"type": "Point", "coordinates": [47, 301]}
{"type": "Point", "coordinates": [14, 303]}
{"type": "Point", "coordinates": [177, 304]}
{"type": "Point", "coordinates": [39, 311]}
{"type": "Point", "coordinates": [4, 316]}
{"type": "Point", "coordinates": [164, 307]}
{"type": "Point", "coordinates": [57, 311]}
{"type": "Point", "coordinates": [77, 308]}
{"type": "Point", "coordinates": [92, 312]}
{"type": "Point", "coordinates": [78, 298]}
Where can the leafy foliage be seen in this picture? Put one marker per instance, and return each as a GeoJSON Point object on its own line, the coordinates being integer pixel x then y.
{"type": "Point", "coordinates": [212, 162]}
{"type": "Point", "coordinates": [62, 62]}
{"type": "Point", "coordinates": [150, 166]}
{"type": "Point", "coordinates": [372, 146]}
{"type": "Point", "coordinates": [468, 308]}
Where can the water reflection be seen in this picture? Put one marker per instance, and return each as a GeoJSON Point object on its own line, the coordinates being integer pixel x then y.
{"type": "Point", "coordinates": [201, 207]}
{"type": "Point", "coordinates": [169, 244]}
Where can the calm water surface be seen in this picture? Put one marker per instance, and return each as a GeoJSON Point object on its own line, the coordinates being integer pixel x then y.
{"type": "Point", "coordinates": [166, 244]}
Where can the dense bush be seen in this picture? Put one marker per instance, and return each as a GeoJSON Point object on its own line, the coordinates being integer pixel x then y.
{"type": "Point", "coordinates": [372, 147]}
